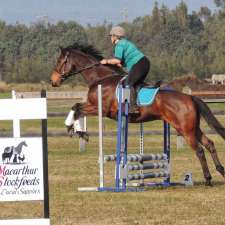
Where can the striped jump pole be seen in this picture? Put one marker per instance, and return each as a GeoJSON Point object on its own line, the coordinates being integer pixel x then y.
{"type": "Point", "coordinates": [146, 166]}
{"type": "Point", "coordinates": [139, 176]}
{"type": "Point", "coordinates": [138, 157]}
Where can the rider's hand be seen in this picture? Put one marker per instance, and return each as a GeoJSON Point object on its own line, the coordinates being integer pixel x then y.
{"type": "Point", "coordinates": [103, 61]}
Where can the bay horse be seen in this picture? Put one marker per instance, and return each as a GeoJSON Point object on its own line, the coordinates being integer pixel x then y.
{"type": "Point", "coordinates": [180, 110]}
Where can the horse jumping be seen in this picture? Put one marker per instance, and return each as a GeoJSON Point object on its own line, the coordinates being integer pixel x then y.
{"type": "Point", "coordinates": [180, 110]}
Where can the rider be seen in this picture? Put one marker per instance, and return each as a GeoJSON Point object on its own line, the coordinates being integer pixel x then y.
{"type": "Point", "coordinates": [128, 55]}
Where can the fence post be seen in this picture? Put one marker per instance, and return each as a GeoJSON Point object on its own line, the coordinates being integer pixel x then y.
{"type": "Point", "coordinates": [16, 122]}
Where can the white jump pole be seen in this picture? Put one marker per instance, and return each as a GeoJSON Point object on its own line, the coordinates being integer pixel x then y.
{"type": "Point", "coordinates": [82, 142]}
{"type": "Point", "coordinates": [101, 154]}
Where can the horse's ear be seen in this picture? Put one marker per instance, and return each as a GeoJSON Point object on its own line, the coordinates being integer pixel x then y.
{"type": "Point", "coordinates": [60, 47]}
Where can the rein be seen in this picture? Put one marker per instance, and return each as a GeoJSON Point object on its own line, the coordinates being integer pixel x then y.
{"type": "Point", "coordinates": [106, 78]}
{"type": "Point", "coordinates": [66, 76]}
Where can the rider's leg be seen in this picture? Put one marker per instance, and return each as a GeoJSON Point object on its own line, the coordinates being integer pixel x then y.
{"type": "Point", "coordinates": [136, 76]}
{"type": "Point", "coordinates": [138, 72]}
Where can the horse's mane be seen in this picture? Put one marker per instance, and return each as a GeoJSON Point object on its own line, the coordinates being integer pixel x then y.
{"type": "Point", "coordinates": [92, 51]}
{"type": "Point", "coordinates": [87, 49]}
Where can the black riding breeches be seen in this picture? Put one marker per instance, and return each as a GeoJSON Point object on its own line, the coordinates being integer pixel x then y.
{"type": "Point", "coordinates": [138, 72]}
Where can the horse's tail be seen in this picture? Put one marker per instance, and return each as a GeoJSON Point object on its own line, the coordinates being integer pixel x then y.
{"type": "Point", "coordinates": [207, 114]}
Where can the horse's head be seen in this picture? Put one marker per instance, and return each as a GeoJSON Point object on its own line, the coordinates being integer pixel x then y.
{"type": "Point", "coordinates": [24, 143]}
{"type": "Point", "coordinates": [63, 68]}
{"type": "Point", "coordinates": [81, 59]}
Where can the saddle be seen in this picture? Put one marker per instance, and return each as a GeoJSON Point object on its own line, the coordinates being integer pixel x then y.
{"type": "Point", "coordinates": [142, 94]}
{"type": "Point", "coordinates": [146, 96]}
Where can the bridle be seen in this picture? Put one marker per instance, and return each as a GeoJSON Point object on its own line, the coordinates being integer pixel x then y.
{"type": "Point", "coordinates": [64, 76]}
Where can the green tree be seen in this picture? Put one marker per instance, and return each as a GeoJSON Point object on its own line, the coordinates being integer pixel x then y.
{"type": "Point", "coordinates": [155, 20]}
{"type": "Point", "coordinates": [164, 12]}
{"type": "Point", "coordinates": [182, 14]}
{"type": "Point", "coordinates": [214, 36]}
{"type": "Point", "coordinates": [220, 3]}
{"type": "Point", "coordinates": [177, 42]}
{"type": "Point", "coordinates": [98, 36]}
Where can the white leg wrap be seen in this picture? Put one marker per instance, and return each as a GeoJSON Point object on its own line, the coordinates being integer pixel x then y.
{"type": "Point", "coordinates": [70, 118]}
{"type": "Point", "coordinates": [80, 124]}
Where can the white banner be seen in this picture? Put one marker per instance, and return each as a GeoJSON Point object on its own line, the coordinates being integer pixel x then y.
{"type": "Point", "coordinates": [21, 169]}
{"type": "Point", "coordinates": [26, 222]}
{"type": "Point", "coordinates": [30, 108]}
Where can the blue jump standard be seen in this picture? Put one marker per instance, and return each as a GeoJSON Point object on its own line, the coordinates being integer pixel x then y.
{"type": "Point", "coordinates": [122, 158]}
{"type": "Point", "coordinates": [126, 164]}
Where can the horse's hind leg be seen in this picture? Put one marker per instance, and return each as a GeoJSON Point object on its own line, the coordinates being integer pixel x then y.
{"type": "Point", "coordinates": [192, 141]}
{"type": "Point", "coordinates": [209, 145]}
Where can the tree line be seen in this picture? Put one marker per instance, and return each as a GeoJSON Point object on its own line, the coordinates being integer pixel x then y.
{"type": "Point", "coordinates": [177, 43]}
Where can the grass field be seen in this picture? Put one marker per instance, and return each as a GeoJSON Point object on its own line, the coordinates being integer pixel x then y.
{"type": "Point", "coordinates": [69, 169]}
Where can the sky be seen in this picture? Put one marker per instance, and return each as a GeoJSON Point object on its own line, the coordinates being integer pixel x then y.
{"type": "Point", "coordinates": [86, 11]}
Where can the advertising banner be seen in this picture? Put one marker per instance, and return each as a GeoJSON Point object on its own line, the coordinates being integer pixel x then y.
{"type": "Point", "coordinates": [21, 169]}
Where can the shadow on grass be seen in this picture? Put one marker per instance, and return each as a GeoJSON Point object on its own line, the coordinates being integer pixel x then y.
{"type": "Point", "coordinates": [214, 184]}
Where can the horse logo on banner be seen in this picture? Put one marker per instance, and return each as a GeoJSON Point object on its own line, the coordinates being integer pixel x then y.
{"type": "Point", "coordinates": [13, 154]}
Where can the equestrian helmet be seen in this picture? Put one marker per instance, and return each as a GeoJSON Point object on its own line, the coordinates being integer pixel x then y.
{"type": "Point", "coordinates": [118, 31]}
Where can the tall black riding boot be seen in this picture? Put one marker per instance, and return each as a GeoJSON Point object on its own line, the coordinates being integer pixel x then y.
{"type": "Point", "coordinates": [133, 108]}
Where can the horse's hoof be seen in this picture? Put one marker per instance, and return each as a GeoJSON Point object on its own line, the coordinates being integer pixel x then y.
{"type": "Point", "coordinates": [86, 136]}
{"type": "Point", "coordinates": [208, 183]}
{"type": "Point", "coordinates": [70, 130]}
{"type": "Point", "coordinates": [220, 169]}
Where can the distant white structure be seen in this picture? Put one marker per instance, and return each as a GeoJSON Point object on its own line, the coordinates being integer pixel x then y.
{"type": "Point", "coordinates": [218, 78]}
{"type": "Point", "coordinates": [124, 13]}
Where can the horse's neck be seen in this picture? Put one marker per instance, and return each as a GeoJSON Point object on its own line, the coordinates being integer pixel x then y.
{"type": "Point", "coordinates": [93, 74]}
{"type": "Point", "coordinates": [96, 74]}
{"type": "Point", "coordinates": [20, 145]}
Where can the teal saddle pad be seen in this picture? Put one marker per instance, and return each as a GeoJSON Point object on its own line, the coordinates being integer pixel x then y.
{"type": "Point", "coordinates": [146, 96]}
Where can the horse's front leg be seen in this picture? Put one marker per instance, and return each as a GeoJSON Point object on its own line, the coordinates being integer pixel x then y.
{"type": "Point", "coordinates": [75, 120]}
{"type": "Point", "coordinates": [84, 109]}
